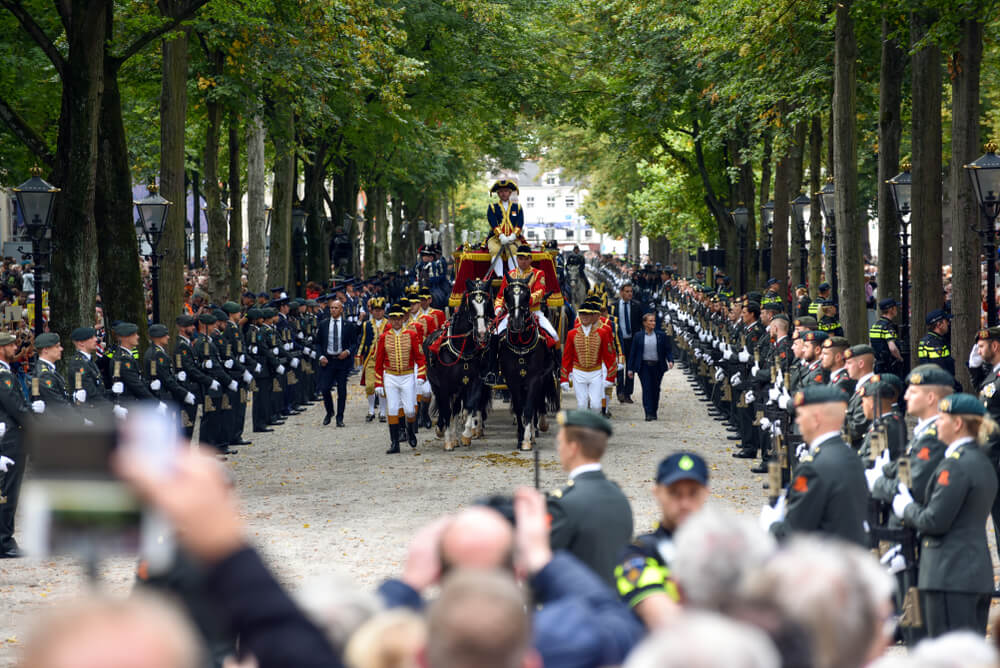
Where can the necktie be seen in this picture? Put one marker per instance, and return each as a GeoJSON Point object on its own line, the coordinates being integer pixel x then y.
{"type": "Point", "coordinates": [625, 310]}
{"type": "Point", "coordinates": [336, 336]}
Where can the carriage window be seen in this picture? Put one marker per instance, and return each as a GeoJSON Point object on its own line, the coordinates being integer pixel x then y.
{"type": "Point", "coordinates": [529, 202]}
{"type": "Point", "coordinates": [570, 201]}
{"type": "Point", "coordinates": [550, 201]}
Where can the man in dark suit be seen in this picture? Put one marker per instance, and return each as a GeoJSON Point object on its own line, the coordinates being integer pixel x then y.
{"type": "Point", "coordinates": [591, 518]}
{"type": "Point", "coordinates": [628, 315]}
{"type": "Point", "coordinates": [336, 342]}
{"type": "Point", "coordinates": [650, 357]}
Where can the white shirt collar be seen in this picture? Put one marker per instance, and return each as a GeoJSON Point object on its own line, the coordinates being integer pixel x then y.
{"type": "Point", "coordinates": [861, 381]}
{"type": "Point", "coordinates": [86, 355]}
{"type": "Point", "coordinates": [584, 468]}
{"type": "Point", "coordinates": [822, 438]}
{"type": "Point", "coordinates": [960, 442]}
{"type": "Point", "coordinates": [922, 425]}
{"type": "Point", "coordinates": [4, 365]}
{"type": "Point", "coordinates": [996, 367]}
{"type": "Point", "coordinates": [586, 329]}
{"type": "Point", "coordinates": [50, 364]}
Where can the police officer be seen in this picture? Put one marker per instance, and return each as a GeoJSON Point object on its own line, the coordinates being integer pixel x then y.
{"type": "Point", "coordinates": [885, 338]}
{"type": "Point", "coordinates": [188, 372]}
{"type": "Point", "coordinates": [933, 347]}
{"type": "Point", "coordinates": [830, 323]}
{"type": "Point", "coordinates": [771, 295]}
{"type": "Point", "coordinates": [643, 576]}
{"type": "Point", "coordinates": [823, 293]}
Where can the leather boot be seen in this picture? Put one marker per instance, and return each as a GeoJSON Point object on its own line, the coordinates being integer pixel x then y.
{"type": "Point", "coordinates": [411, 433]}
{"type": "Point", "coordinates": [425, 414]}
{"type": "Point", "coordinates": [394, 440]}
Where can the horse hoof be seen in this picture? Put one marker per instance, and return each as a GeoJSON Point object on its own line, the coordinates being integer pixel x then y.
{"type": "Point", "coordinates": [543, 426]}
{"type": "Point", "coordinates": [466, 441]}
{"type": "Point", "coordinates": [448, 447]}
{"type": "Point", "coordinates": [439, 432]}
{"type": "Point", "coordinates": [526, 448]}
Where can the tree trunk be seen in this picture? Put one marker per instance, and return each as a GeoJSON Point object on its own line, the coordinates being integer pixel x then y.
{"type": "Point", "coordinates": [235, 259]}
{"type": "Point", "coordinates": [925, 223]}
{"type": "Point", "coordinates": [256, 214]}
{"type": "Point", "coordinates": [74, 232]}
{"type": "Point", "coordinates": [217, 270]}
{"type": "Point", "coordinates": [782, 213]}
{"type": "Point", "coordinates": [850, 226]}
{"type": "Point", "coordinates": [816, 253]}
{"type": "Point", "coordinates": [966, 295]}
{"type": "Point", "coordinates": [374, 223]}
{"type": "Point", "coordinates": [173, 115]}
{"type": "Point", "coordinates": [122, 293]}
{"type": "Point", "coordinates": [279, 257]}
{"type": "Point", "coordinates": [396, 255]}
{"type": "Point", "coordinates": [765, 196]}
{"type": "Point", "coordinates": [317, 226]}
{"type": "Point", "coordinates": [796, 170]}
{"type": "Point", "coordinates": [890, 129]}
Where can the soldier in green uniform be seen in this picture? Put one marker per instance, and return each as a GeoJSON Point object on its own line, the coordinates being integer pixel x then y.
{"type": "Point", "coordinates": [828, 493]}
{"type": "Point", "coordinates": [188, 372]}
{"type": "Point", "coordinates": [988, 345]}
{"type": "Point", "coordinates": [235, 356]}
{"type": "Point", "coordinates": [272, 348]}
{"type": "Point", "coordinates": [85, 379]}
{"type": "Point", "coordinates": [813, 372]}
{"type": "Point", "coordinates": [212, 431]}
{"type": "Point", "coordinates": [956, 573]}
{"type": "Point", "coordinates": [260, 388]}
{"type": "Point", "coordinates": [835, 364]}
{"type": "Point", "coordinates": [878, 399]}
{"type": "Point", "coordinates": [885, 338]}
{"type": "Point", "coordinates": [643, 577]}
{"type": "Point", "coordinates": [14, 415]}
{"type": "Point", "coordinates": [48, 387]}
{"type": "Point", "coordinates": [859, 361]}
{"type": "Point", "coordinates": [933, 347]}
{"type": "Point", "coordinates": [591, 516]}
{"type": "Point", "coordinates": [157, 367]}
{"type": "Point", "coordinates": [127, 382]}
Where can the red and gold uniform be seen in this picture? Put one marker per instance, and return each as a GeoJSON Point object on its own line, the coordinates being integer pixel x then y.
{"type": "Point", "coordinates": [589, 361]}
{"type": "Point", "coordinates": [396, 357]}
{"type": "Point", "coordinates": [536, 281]}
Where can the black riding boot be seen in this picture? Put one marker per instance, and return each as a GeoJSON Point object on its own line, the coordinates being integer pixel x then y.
{"type": "Point", "coordinates": [425, 415]}
{"type": "Point", "coordinates": [411, 433]}
{"type": "Point", "coordinates": [394, 439]}
{"type": "Point", "coordinates": [491, 377]}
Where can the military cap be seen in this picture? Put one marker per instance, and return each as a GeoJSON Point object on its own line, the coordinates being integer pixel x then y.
{"type": "Point", "coordinates": [281, 301]}
{"type": "Point", "coordinates": [396, 311]}
{"type": "Point", "coordinates": [780, 316]}
{"type": "Point", "coordinates": [7, 338]}
{"type": "Point", "coordinates": [376, 302]}
{"type": "Point", "coordinates": [773, 306]}
{"type": "Point", "coordinates": [682, 466]}
{"type": "Point", "coordinates": [930, 374]}
{"type": "Point", "coordinates": [125, 329]}
{"type": "Point", "coordinates": [404, 302]}
{"type": "Point", "coordinates": [231, 307]}
{"type": "Point", "coordinates": [293, 303]}
{"type": "Point", "coordinates": [753, 307]}
{"type": "Point", "coordinates": [885, 385]}
{"type": "Point", "coordinates": [207, 318]}
{"type": "Point", "coordinates": [956, 404]}
{"type": "Point", "coordinates": [586, 419]}
{"type": "Point", "coordinates": [220, 315]}
{"type": "Point", "coordinates": [886, 304]}
{"type": "Point", "coordinates": [937, 315]}
{"type": "Point", "coordinates": [800, 286]}
{"type": "Point", "coordinates": [989, 334]}
{"type": "Point", "coordinates": [824, 286]}
{"type": "Point", "coordinates": [269, 312]}
{"type": "Point", "coordinates": [510, 184]}
{"type": "Point", "coordinates": [46, 340]}
{"type": "Point", "coordinates": [158, 330]}
{"type": "Point", "coordinates": [185, 320]}
{"type": "Point", "coordinates": [860, 349]}
{"type": "Point", "coordinates": [312, 302]}
{"type": "Point", "coordinates": [425, 292]}
{"type": "Point", "coordinates": [250, 294]}
{"type": "Point", "coordinates": [806, 321]}
{"type": "Point", "coordinates": [816, 336]}
{"type": "Point", "coordinates": [589, 306]}
{"type": "Point", "coordinates": [837, 342]}
{"type": "Point", "coordinates": [524, 249]}
{"type": "Point", "coordinates": [281, 289]}
{"type": "Point", "coordinates": [754, 296]}
{"type": "Point", "coordinates": [255, 313]}
{"type": "Point", "coordinates": [83, 333]}
{"type": "Point", "coordinates": [772, 281]}
{"type": "Point", "coordinates": [819, 394]}
{"type": "Point", "coordinates": [261, 295]}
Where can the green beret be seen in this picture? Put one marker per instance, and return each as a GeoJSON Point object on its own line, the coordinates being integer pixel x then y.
{"type": "Point", "coordinates": [819, 394]}
{"type": "Point", "coordinates": [588, 419]}
{"type": "Point", "coordinates": [860, 349]}
{"type": "Point", "coordinates": [231, 307]}
{"type": "Point", "coordinates": [816, 336]}
{"type": "Point", "coordinates": [837, 342]}
{"type": "Point", "coordinates": [885, 385]}
{"type": "Point", "coordinates": [958, 404]}
{"type": "Point", "coordinates": [207, 318]}
{"type": "Point", "coordinates": [158, 330]}
{"type": "Point", "coordinates": [185, 320]}
{"type": "Point", "coordinates": [83, 333]}
{"type": "Point", "coordinates": [220, 315]}
{"type": "Point", "coordinates": [989, 334]}
{"type": "Point", "coordinates": [806, 321]}
{"type": "Point", "coordinates": [930, 374]}
{"type": "Point", "coordinates": [754, 296]}
{"type": "Point", "coordinates": [254, 313]}
{"type": "Point", "coordinates": [773, 306]}
{"type": "Point", "coordinates": [293, 303]}
{"type": "Point", "coordinates": [780, 316]}
{"type": "Point", "coordinates": [125, 329]}
{"type": "Point", "coordinates": [7, 338]}
{"type": "Point", "coordinates": [312, 302]}
{"type": "Point", "coordinates": [46, 340]}
{"type": "Point", "coordinates": [269, 312]}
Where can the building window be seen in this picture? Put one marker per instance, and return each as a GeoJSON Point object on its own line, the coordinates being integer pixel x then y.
{"type": "Point", "coordinates": [569, 234]}
{"type": "Point", "coordinates": [531, 234]}
{"type": "Point", "coordinates": [550, 201]}
{"type": "Point", "coordinates": [551, 180]}
{"type": "Point", "coordinates": [570, 201]}
{"type": "Point", "coordinates": [587, 234]}
{"type": "Point", "coordinates": [529, 202]}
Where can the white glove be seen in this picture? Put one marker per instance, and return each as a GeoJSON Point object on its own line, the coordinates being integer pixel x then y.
{"type": "Point", "coordinates": [155, 385]}
{"type": "Point", "coordinates": [754, 369]}
{"type": "Point", "coordinates": [749, 397]}
{"type": "Point", "coordinates": [881, 461]}
{"type": "Point", "coordinates": [901, 500]}
{"type": "Point", "coordinates": [214, 386]}
{"type": "Point", "coordinates": [274, 351]}
{"type": "Point", "coordinates": [564, 387]}
{"type": "Point", "coordinates": [208, 364]}
{"type": "Point", "coordinates": [783, 401]}
{"type": "Point", "coordinates": [233, 386]}
{"type": "Point", "coordinates": [621, 366]}
{"type": "Point", "coordinates": [727, 354]}
{"type": "Point", "coordinates": [872, 475]}
{"type": "Point", "coordinates": [894, 560]}
{"type": "Point", "coordinates": [743, 357]}
{"type": "Point", "coordinates": [161, 408]}
{"type": "Point", "coordinates": [3, 428]}
{"type": "Point", "coordinates": [295, 362]}
{"type": "Point", "coordinates": [243, 359]}
{"type": "Point", "coordinates": [182, 376]}
{"type": "Point", "coordinates": [38, 406]}
{"type": "Point", "coordinates": [380, 391]}
{"type": "Point", "coordinates": [120, 412]}
{"type": "Point", "coordinates": [280, 369]}
{"type": "Point", "coordinates": [189, 399]}
{"type": "Point", "coordinates": [498, 310]}
{"type": "Point", "coordinates": [719, 374]}
{"type": "Point", "coordinates": [256, 369]}
{"type": "Point", "coordinates": [254, 350]}
{"type": "Point", "coordinates": [734, 379]}
{"type": "Point", "coordinates": [5, 463]}
{"type": "Point", "coordinates": [299, 336]}
{"type": "Point", "coordinates": [307, 350]}
{"type": "Point", "coordinates": [769, 515]}
{"type": "Point", "coordinates": [802, 450]}
{"type": "Point", "coordinates": [247, 377]}
{"type": "Point", "coordinates": [773, 394]}
{"type": "Point", "coordinates": [80, 395]}
{"type": "Point", "coordinates": [608, 383]}
{"type": "Point", "coordinates": [228, 364]}
{"type": "Point", "coordinates": [287, 347]}
{"type": "Point", "coordinates": [87, 423]}
{"type": "Point", "coordinates": [312, 354]}
{"type": "Point", "coordinates": [118, 387]}
{"type": "Point", "coordinates": [765, 424]}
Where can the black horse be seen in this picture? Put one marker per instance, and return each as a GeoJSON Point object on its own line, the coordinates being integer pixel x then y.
{"type": "Point", "coordinates": [454, 364]}
{"type": "Point", "coordinates": [527, 364]}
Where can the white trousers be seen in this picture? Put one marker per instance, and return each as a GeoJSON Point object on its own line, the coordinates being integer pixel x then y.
{"type": "Point", "coordinates": [540, 320]}
{"type": "Point", "coordinates": [371, 404]}
{"type": "Point", "coordinates": [498, 269]}
{"type": "Point", "coordinates": [400, 392]}
{"type": "Point", "coordinates": [589, 388]}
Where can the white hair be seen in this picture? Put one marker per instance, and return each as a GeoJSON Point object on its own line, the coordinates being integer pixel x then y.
{"type": "Point", "coordinates": [715, 550]}
{"type": "Point", "coordinates": [337, 605]}
{"type": "Point", "coordinates": [959, 649]}
{"type": "Point", "coordinates": [705, 640]}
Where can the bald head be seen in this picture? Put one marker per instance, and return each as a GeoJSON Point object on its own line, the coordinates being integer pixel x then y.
{"type": "Point", "coordinates": [478, 537]}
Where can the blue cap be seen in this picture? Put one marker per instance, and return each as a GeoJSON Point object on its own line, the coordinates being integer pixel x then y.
{"type": "Point", "coordinates": [772, 281]}
{"type": "Point", "coordinates": [682, 466]}
{"type": "Point", "coordinates": [824, 286]}
{"type": "Point", "coordinates": [887, 304]}
{"type": "Point", "coordinates": [937, 315]}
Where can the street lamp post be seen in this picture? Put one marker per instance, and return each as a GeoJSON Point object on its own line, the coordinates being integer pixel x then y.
{"type": "Point", "coordinates": [800, 209]}
{"type": "Point", "coordinates": [741, 216]}
{"type": "Point", "coordinates": [767, 218]}
{"type": "Point", "coordinates": [901, 186]}
{"type": "Point", "coordinates": [985, 174]}
{"type": "Point", "coordinates": [298, 245]}
{"type": "Point", "coordinates": [153, 215]}
{"type": "Point", "coordinates": [827, 203]}
{"type": "Point", "coordinates": [35, 198]}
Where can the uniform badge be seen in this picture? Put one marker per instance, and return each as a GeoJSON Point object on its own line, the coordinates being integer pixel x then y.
{"type": "Point", "coordinates": [924, 454]}
{"type": "Point", "coordinates": [801, 484]}
{"type": "Point", "coordinates": [990, 390]}
{"type": "Point", "coordinates": [944, 478]}
{"type": "Point", "coordinates": [633, 569]}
